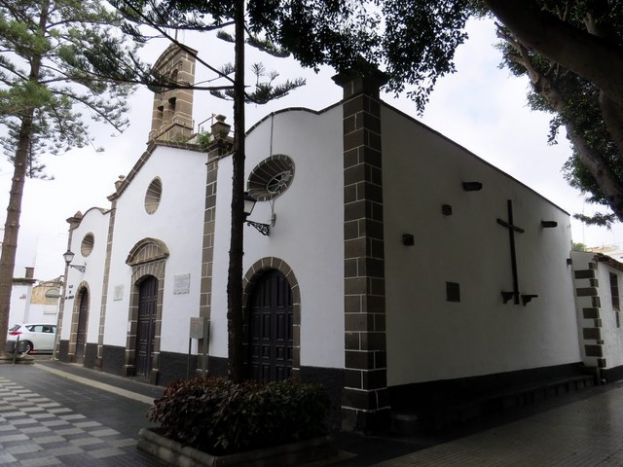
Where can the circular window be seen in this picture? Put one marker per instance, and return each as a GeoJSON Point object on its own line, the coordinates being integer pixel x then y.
{"type": "Point", "coordinates": [153, 195]}
{"type": "Point", "coordinates": [271, 177]}
{"type": "Point", "coordinates": [86, 247]}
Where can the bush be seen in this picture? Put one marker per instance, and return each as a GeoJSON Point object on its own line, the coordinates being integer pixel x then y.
{"type": "Point", "coordinates": [220, 417]}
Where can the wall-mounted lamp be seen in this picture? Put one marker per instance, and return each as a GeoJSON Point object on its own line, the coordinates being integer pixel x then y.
{"type": "Point", "coordinates": [249, 204]}
{"type": "Point", "coordinates": [68, 256]}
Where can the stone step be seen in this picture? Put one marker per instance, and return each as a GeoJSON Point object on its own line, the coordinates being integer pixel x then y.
{"type": "Point", "coordinates": [446, 414]}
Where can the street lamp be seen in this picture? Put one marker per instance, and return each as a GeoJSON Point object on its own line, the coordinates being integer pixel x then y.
{"type": "Point", "coordinates": [68, 256]}
{"type": "Point", "coordinates": [249, 204]}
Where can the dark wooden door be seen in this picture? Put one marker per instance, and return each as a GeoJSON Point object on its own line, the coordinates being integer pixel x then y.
{"type": "Point", "coordinates": [83, 318]}
{"type": "Point", "coordinates": [146, 324]}
{"type": "Point", "coordinates": [270, 328]}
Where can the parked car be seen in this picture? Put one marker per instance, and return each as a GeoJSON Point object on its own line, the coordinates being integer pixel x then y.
{"type": "Point", "coordinates": [33, 337]}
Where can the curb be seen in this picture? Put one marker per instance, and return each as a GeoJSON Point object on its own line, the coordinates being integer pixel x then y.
{"type": "Point", "coordinates": [175, 453]}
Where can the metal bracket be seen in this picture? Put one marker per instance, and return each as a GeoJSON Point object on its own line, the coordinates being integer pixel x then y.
{"type": "Point", "coordinates": [264, 229]}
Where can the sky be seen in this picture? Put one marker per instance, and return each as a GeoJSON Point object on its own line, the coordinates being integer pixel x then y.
{"type": "Point", "coordinates": [481, 107]}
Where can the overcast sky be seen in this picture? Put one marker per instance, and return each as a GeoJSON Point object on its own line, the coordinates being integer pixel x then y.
{"type": "Point", "coordinates": [480, 107]}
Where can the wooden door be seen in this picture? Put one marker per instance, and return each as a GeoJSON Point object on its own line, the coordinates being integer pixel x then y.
{"type": "Point", "coordinates": [270, 328]}
{"type": "Point", "coordinates": [146, 324]}
{"type": "Point", "coordinates": [83, 318]}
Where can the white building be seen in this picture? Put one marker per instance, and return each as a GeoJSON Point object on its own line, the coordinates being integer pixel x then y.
{"type": "Point", "coordinates": [397, 262]}
{"type": "Point", "coordinates": [34, 301]}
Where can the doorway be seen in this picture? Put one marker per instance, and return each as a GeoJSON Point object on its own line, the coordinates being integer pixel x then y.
{"type": "Point", "coordinates": [146, 325]}
{"type": "Point", "coordinates": [270, 328]}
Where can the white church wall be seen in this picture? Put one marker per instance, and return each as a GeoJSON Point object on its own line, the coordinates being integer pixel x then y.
{"type": "Point", "coordinates": [610, 337]}
{"type": "Point", "coordinates": [430, 338]}
{"type": "Point", "coordinates": [95, 222]}
{"type": "Point", "coordinates": [582, 262]}
{"type": "Point", "coordinates": [308, 234]}
{"type": "Point", "coordinates": [612, 330]}
{"type": "Point", "coordinates": [44, 314]}
{"type": "Point", "coordinates": [177, 222]}
{"type": "Point", "coordinates": [20, 303]}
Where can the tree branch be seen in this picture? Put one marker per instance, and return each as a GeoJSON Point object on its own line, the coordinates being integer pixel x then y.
{"type": "Point", "coordinates": [590, 56]}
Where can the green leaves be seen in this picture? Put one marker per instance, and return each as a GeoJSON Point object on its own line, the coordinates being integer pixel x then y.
{"type": "Point", "coordinates": [60, 60]}
{"type": "Point", "coordinates": [218, 416]}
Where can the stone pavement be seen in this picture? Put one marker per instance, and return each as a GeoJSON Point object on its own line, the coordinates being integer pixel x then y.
{"type": "Point", "coordinates": [58, 414]}
{"type": "Point", "coordinates": [587, 432]}
{"type": "Point", "coordinates": [47, 419]}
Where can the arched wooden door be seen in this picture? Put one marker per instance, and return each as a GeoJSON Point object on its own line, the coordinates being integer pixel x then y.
{"type": "Point", "coordinates": [270, 328]}
{"type": "Point", "coordinates": [83, 318]}
{"type": "Point", "coordinates": [146, 324]}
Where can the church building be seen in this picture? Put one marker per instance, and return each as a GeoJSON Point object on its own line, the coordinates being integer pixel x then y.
{"type": "Point", "coordinates": [381, 259]}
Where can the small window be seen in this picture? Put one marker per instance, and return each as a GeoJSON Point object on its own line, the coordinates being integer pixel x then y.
{"type": "Point", "coordinates": [614, 290]}
{"type": "Point", "coordinates": [153, 195]}
{"type": "Point", "coordinates": [86, 247]}
{"type": "Point", "coordinates": [453, 292]}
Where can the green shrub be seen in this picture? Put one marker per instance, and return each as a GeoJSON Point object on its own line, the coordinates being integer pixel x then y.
{"type": "Point", "coordinates": [220, 417]}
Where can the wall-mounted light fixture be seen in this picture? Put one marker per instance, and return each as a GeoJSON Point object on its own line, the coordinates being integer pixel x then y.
{"type": "Point", "coordinates": [249, 204]}
{"type": "Point", "coordinates": [68, 256]}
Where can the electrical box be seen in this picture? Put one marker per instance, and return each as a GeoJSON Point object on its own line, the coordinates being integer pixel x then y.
{"type": "Point", "coordinates": [199, 328]}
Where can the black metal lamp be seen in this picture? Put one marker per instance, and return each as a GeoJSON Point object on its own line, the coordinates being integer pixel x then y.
{"type": "Point", "coordinates": [68, 256]}
{"type": "Point", "coordinates": [249, 204]}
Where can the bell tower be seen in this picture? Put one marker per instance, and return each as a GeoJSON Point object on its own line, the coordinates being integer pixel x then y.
{"type": "Point", "coordinates": [172, 116]}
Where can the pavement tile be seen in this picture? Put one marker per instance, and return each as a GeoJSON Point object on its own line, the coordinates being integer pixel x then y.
{"type": "Point", "coordinates": [6, 458]}
{"type": "Point", "coordinates": [104, 432]}
{"type": "Point", "coordinates": [23, 448]}
{"type": "Point", "coordinates": [35, 429]}
{"type": "Point", "coordinates": [50, 439]}
{"type": "Point", "coordinates": [105, 452]}
{"type": "Point", "coordinates": [8, 438]}
{"type": "Point", "coordinates": [89, 441]}
{"type": "Point", "coordinates": [41, 462]}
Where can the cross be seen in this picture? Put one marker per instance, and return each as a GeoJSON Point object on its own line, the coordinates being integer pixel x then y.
{"type": "Point", "coordinates": [512, 228]}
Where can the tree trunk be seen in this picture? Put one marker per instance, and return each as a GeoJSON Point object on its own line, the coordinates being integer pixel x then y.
{"type": "Point", "coordinates": [234, 283]}
{"type": "Point", "coordinates": [590, 56]}
{"type": "Point", "coordinates": [11, 226]}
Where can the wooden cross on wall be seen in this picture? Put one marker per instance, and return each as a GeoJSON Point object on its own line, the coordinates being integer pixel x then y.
{"type": "Point", "coordinates": [512, 229]}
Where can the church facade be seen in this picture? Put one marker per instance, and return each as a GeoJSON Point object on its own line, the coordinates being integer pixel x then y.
{"type": "Point", "coordinates": [386, 260]}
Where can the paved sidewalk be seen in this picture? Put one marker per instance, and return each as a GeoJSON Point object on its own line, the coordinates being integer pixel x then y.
{"type": "Point", "coordinates": [54, 413]}
{"type": "Point", "coordinates": [49, 419]}
{"type": "Point", "coordinates": [586, 432]}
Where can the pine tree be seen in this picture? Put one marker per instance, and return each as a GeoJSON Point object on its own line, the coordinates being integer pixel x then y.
{"type": "Point", "coordinates": [58, 59]}
{"type": "Point", "coordinates": [314, 31]}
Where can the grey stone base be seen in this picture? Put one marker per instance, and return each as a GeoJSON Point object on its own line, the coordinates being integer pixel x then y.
{"type": "Point", "coordinates": [174, 453]}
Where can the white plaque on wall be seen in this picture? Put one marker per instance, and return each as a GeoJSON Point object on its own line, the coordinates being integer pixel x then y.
{"type": "Point", "coordinates": [181, 284]}
{"type": "Point", "coordinates": [118, 293]}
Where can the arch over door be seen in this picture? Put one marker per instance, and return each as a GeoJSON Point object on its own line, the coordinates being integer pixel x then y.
{"type": "Point", "coordinates": [146, 324]}
{"type": "Point", "coordinates": [270, 328]}
{"type": "Point", "coordinates": [81, 328]}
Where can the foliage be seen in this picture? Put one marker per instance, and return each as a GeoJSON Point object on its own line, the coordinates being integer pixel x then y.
{"type": "Point", "coordinates": [58, 59]}
{"type": "Point", "coordinates": [574, 103]}
{"type": "Point", "coordinates": [578, 246]}
{"type": "Point", "coordinates": [569, 56]}
{"type": "Point", "coordinates": [205, 140]}
{"type": "Point", "coordinates": [81, 71]}
{"type": "Point", "coordinates": [219, 416]}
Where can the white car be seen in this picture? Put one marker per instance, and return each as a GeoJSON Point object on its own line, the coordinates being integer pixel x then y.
{"type": "Point", "coordinates": [33, 337]}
